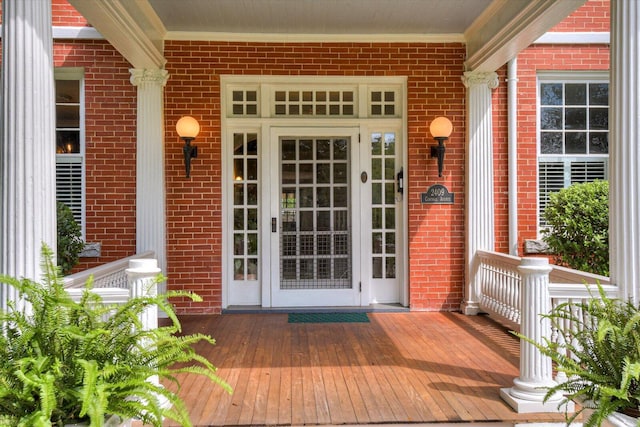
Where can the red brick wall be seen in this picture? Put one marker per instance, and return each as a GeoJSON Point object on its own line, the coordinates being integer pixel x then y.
{"type": "Point", "coordinates": [63, 14]}
{"type": "Point", "coordinates": [194, 208]}
{"type": "Point", "coordinates": [530, 61]}
{"type": "Point", "coordinates": [110, 124]}
{"type": "Point", "coordinates": [593, 16]}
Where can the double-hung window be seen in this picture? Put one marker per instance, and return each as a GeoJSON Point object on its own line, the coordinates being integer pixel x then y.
{"type": "Point", "coordinates": [70, 140]}
{"type": "Point", "coordinates": [573, 132]}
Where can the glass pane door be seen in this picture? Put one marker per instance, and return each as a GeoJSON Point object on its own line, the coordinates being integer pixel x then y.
{"type": "Point", "coordinates": [315, 237]}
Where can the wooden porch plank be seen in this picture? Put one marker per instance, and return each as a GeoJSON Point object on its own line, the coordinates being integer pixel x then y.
{"type": "Point", "coordinates": [367, 352]}
{"type": "Point", "coordinates": [399, 331]}
{"type": "Point", "coordinates": [320, 386]}
{"type": "Point", "coordinates": [355, 396]}
{"type": "Point", "coordinates": [399, 368]}
{"type": "Point", "coordinates": [239, 402]}
{"type": "Point", "coordinates": [286, 379]}
{"type": "Point", "coordinates": [278, 349]}
{"type": "Point", "coordinates": [299, 346]}
{"type": "Point", "coordinates": [208, 398]}
{"type": "Point", "coordinates": [340, 404]}
{"type": "Point", "coordinates": [455, 380]}
{"type": "Point", "coordinates": [402, 382]}
{"type": "Point", "coordinates": [474, 373]}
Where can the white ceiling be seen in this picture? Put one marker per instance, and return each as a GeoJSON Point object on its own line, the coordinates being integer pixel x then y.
{"type": "Point", "coordinates": [320, 16]}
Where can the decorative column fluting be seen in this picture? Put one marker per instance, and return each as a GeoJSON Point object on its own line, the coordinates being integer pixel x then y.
{"type": "Point", "coordinates": [27, 155]}
{"type": "Point", "coordinates": [624, 149]}
{"type": "Point", "coordinates": [150, 179]}
{"type": "Point", "coordinates": [536, 374]}
{"type": "Point", "coordinates": [479, 215]}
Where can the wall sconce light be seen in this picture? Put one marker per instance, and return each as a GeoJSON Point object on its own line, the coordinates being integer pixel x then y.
{"type": "Point", "coordinates": [188, 128]}
{"type": "Point", "coordinates": [440, 129]}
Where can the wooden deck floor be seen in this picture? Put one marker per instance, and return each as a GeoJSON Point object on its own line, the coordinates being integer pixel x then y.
{"type": "Point", "coordinates": [399, 368]}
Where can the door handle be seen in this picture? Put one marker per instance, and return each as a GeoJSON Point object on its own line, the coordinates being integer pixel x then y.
{"type": "Point", "coordinates": [274, 225]}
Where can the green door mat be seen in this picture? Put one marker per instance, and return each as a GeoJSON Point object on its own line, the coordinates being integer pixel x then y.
{"type": "Point", "coordinates": [328, 318]}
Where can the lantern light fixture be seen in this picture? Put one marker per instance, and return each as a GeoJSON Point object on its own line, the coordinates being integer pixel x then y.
{"type": "Point", "coordinates": [188, 128]}
{"type": "Point", "coordinates": [440, 129]}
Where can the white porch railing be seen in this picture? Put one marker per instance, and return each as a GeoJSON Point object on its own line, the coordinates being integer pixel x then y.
{"type": "Point", "coordinates": [110, 275]}
{"type": "Point", "coordinates": [499, 282]}
{"type": "Point", "coordinates": [518, 291]}
{"type": "Point", "coordinates": [120, 280]}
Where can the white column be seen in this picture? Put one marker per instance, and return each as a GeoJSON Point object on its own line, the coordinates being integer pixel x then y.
{"type": "Point", "coordinates": [150, 190]}
{"type": "Point", "coordinates": [529, 389]}
{"type": "Point", "coordinates": [479, 214]}
{"type": "Point", "coordinates": [624, 149]}
{"type": "Point", "coordinates": [27, 155]}
{"type": "Point", "coordinates": [141, 277]}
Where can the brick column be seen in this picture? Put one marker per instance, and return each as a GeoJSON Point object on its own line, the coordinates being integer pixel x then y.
{"type": "Point", "coordinates": [479, 212]}
{"type": "Point", "coordinates": [150, 182]}
{"type": "Point", "coordinates": [27, 153]}
{"type": "Point", "coordinates": [624, 149]}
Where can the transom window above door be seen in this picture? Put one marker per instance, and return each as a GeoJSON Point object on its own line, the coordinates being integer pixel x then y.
{"type": "Point", "coordinates": [318, 100]}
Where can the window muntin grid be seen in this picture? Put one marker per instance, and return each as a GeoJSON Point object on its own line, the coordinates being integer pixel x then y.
{"type": "Point", "coordinates": [573, 134]}
{"type": "Point", "coordinates": [383, 103]}
{"type": "Point", "coordinates": [315, 229]}
{"type": "Point", "coordinates": [574, 118]}
{"type": "Point", "coordinates": [383, 209]}
{"type": "Point", "coordinates": [244, 102]}
{"type": "Point", "coordinates": [309, 103]}
{"type": "Point", "coordinates": [245, 206]}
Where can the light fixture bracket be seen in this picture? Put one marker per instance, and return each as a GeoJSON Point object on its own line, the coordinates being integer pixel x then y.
{"type": "Point", "coordinates": [190, 152]}
{"type": "Point", "coordinates": [438, 151]}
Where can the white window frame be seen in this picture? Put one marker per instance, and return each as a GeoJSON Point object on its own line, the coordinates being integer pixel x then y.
{"type": "Point", "coordinates": [568, 159]}
{"type": "Point", "coordinates": [76, 73]}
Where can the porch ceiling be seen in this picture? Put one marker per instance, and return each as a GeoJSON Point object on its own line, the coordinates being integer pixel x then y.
{"type": "Point", "coordinates": [326, 17]}
{"type": "Point", "coordinates": [493, 30]}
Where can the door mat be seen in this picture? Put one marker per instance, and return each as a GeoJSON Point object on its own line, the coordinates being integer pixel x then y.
{"type": "Point", "coordinates": [328, 318]}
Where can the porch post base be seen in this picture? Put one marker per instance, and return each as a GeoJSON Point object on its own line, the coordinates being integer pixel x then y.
{"type": "Point", "coordinates": [470, 308]}
{"type": "Point", "coordinates": [523, 406]}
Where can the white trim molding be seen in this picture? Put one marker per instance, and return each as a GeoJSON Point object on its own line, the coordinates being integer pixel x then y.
{"type": "Point", "coordinates": [574, 38]}
{"type": "Point", "coordinates": [314, 38]}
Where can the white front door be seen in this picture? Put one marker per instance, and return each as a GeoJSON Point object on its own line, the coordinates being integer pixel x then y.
{"type": "Point", "coordinates": [316, 208]}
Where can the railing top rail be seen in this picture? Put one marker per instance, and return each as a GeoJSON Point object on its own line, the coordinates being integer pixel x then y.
{"type": "Point", "coordinates": [78, 280]}
{"type": "Point", "coordinates": [506, 258]}
{"type": "Point", "coordinates": [575, 290]}
{"type": "Point", "coordinates": [563, 274]}
{"type": "Point", "coordinates": [558, 273]}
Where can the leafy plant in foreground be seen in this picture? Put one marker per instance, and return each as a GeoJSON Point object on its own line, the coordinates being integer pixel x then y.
{"type": "Point", "coordinates": [63, 361]}
{"type": "Point", "coordinates": [599, 351]}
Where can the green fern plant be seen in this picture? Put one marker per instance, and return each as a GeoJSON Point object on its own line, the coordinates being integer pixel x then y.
{"type": "Point", "coordinates": [62, 361]}
{"type": "Point", "coordinates": [599, 351]}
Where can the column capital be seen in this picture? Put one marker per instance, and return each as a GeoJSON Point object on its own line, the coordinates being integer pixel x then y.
{"type": "Point", "coordinates": [475, 78]}
{"type": "Point", "coordinates": [151, 75]}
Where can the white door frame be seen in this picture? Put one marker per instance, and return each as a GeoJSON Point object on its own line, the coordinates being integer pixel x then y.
{"type": "Point", "coordinates": [265, 118]}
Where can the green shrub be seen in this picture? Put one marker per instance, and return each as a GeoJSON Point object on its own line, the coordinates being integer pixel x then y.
{"type": "Point", "coordinates": [69, 237]}
{"type": "Point", "coordinates": [578, 227]}
{"type": "Point", "coordinates": [68, 361]}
